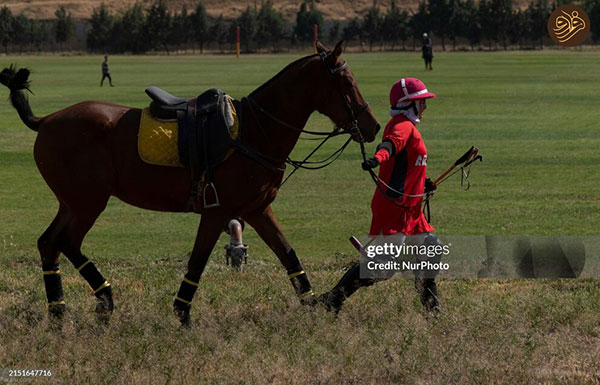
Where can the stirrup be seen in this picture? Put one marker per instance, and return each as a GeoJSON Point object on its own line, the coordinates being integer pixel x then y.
{"type": "Point", "coordinates": [216, 204]}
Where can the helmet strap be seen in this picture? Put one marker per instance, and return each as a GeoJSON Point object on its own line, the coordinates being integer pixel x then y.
{"type": "Point", "coordinates": [415, 109]}
{"type": "Point", "coordinates": [409, 110]}
{"type": "Point", "coordinates": [404, 108]}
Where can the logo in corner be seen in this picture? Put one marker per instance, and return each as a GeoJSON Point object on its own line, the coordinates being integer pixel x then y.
{"type": "Point", "coordinates": [569, 25]}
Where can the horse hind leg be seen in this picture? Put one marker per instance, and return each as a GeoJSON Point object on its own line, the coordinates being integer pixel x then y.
{"type": "Point", "coordinates": [71, 237]}
{"type": "Point", "coordinates": [48, 246]}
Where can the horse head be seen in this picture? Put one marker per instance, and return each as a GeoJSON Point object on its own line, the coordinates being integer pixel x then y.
{"type": "Point", "coordinates": [341, 100]}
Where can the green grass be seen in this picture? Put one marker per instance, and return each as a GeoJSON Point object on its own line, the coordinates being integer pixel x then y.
{"type": "Point", "coordinates": [534, 116]}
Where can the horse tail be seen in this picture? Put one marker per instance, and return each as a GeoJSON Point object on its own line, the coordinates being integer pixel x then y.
{"type": "Point", "coordinates": [17, 81]}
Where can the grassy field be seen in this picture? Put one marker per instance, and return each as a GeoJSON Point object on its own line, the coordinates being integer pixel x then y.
{"type": "Point", "coordinates": [535, 117]}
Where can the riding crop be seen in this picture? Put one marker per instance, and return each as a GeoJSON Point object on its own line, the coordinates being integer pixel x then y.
{"type": "Point", "coordinates": [466, 160]}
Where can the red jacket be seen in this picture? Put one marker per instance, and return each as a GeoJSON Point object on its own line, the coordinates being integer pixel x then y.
{"type": "Point", "coordinates": [405, 172]}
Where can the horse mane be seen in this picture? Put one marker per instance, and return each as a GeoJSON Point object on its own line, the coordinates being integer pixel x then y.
{"type": "Point", "coordinates": [280, 73]}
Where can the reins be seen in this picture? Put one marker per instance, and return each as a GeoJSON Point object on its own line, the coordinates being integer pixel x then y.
{"type": "Point", "coordinates": [297, 164]}
{"type": "Point", "coordinates": [466, 160]}
{"type": "Point", "coordinates": [253, 104]}
{"type": "Point", "coordinates": [353, 131]}
{"type": "Point", "coordinates": [379, 182]}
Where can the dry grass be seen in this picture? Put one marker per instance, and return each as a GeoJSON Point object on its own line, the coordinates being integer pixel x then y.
{"type": "Point", "coordinates": [248, 328]}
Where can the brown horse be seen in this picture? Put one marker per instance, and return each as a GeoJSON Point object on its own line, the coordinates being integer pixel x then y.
{"type": "Point", "coordinates": [88, 152]}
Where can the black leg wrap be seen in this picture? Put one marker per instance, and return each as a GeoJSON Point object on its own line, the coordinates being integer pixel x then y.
{"type": "Point", "coordinates": [183, 300]}
{"type": "Point", "coordinates": [294, 261]}
{"type": "Point", "coordinates": [54, 290]}
{"type": "Point", "coordinates": [300, 282]}
{"type": "Point", "coordinates": [348, 285]}
{"type": "Point", "coordinates": [88, 271]}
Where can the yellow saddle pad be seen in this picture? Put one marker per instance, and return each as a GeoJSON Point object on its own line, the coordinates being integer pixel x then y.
{"type": "Point", "coordinates": [157, 139]}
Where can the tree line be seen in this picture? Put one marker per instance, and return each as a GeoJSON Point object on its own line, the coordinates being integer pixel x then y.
{"type": "Point", "coordinates": [25, 34]}
{"type": "Point", "coordinates": [488, 23]}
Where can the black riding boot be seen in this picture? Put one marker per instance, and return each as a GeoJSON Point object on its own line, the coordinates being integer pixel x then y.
{"type": "Point", "coordinates": [350, 282]}
{"type": "Point", "coordinates": [427, 288]}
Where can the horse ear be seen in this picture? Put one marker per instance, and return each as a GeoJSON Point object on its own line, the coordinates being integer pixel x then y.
{"type": "Point", "coordinates": [337, 51]}
{"type": "Point", "coordinates": [321, 48]}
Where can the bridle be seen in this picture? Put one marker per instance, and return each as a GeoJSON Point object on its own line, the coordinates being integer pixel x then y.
{"type": "Point", "coordinates": [350, 126]}
{"type": "Point", "coordinates": [354, 129]}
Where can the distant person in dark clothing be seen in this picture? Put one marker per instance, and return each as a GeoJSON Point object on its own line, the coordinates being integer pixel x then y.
{"type": "Point", "coordinates": [106, 72]}
{"type": "Point", "coordinates": [427, 48]}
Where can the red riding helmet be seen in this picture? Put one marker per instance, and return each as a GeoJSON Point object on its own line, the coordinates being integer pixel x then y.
{"type": "Point", "coordinates": [408, 89]}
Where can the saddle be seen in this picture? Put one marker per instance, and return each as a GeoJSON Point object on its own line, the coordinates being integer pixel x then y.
{"type": "Point", "coordinates": [204, 137]}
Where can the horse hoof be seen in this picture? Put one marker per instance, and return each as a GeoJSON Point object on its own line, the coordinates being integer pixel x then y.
{"type": "Point", "coordinates": [183, 314]}
{"type": "Point", "coordinates": [330, 302]}
{"type": "Point", "coordinates": [104, 306]}
{"type": "Point", "coordinates": [57, 311]}
{"type": "Point", "coordinates": [184, 319]}
{"type": "Point", "coordinates": [186, 324]}
{"type": "Point", "coordinates": [103, 310]}
{"type": "Point", "coordinates": [310, 301]}
{"type": "Point", "coordinates": [102, 316]}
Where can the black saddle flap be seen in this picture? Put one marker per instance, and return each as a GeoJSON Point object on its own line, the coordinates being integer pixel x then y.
{"type": "Point", "coordinates": [209, 101]}
{"type": "Point", "coordinates": [204, 141]}
{"type": "Point", "coordinates": [160, 113]}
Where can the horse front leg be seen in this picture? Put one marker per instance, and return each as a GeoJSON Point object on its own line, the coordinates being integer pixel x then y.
{"type": "Point", "coordinates": [208, 233]}
{"type": "Point", "coordinates": [269, 230]}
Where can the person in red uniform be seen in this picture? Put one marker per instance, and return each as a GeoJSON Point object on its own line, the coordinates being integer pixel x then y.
{"type": "Point", "coordinates": [396, 204]}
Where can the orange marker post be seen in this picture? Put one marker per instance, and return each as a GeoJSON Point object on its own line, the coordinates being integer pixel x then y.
{"type": "Point", "coordinates": [237, 43]}
{"type": "Point", "coordinates": [315, 37]}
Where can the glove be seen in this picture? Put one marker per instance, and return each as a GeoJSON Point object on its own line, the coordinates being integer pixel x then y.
{"type": "Point", "coordinates": [429, 187]}
{"type": "Point", "coordinates": [369, 164]}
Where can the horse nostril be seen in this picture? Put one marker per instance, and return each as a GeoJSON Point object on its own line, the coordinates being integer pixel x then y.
{"type": "Point", "coordinates": [377, 127]}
